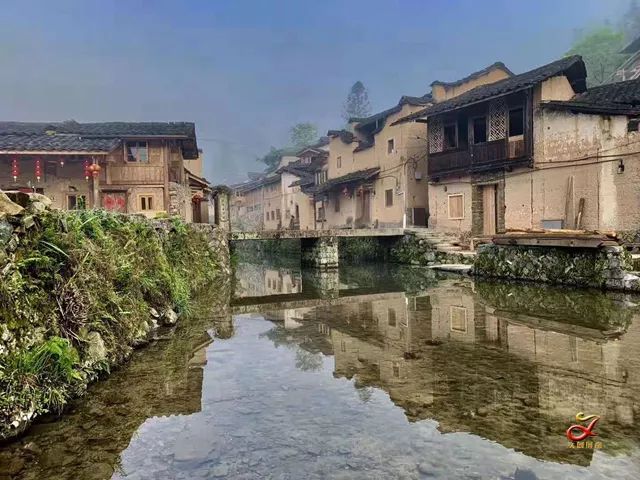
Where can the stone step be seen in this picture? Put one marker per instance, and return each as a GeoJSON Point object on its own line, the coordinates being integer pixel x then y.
{"type": "Point", "coordinates": [450, 248]}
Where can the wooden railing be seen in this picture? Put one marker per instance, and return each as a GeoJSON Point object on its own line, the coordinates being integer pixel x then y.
{"type": "Point", "coordinates": [448, 161]}
{"type": "Point", "coordinates": [481, 156]}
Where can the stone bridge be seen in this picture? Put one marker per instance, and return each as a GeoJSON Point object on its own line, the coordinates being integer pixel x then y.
{"type": "Point", "coordinates": [319, 248]}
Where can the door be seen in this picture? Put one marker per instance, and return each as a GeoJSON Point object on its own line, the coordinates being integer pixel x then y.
{"type": "Point", "coordinates": [489, 210]}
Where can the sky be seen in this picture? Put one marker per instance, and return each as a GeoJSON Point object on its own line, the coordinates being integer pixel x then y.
{"type": "Point", "coordinates": [246, 71]}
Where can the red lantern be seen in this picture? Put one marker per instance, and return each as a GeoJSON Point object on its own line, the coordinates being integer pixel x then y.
{"type": "Point", "coordinates": [86, 170]}
{"type": "Point", "coordinates": [94, 169]}
{"type": "Point", "coordinates": [38, 169]}
{"type": "Point", "coordinates": [14, 168]}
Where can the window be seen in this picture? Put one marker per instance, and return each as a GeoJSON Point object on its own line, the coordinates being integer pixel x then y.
{"type": "Point", "coordinates": [278, 213]}
{"type": "Point", "coordinates": [76, 202]}
{"type": "Point", "coordinates": [391, 316]}
{"type": "Point", "coordinates": [337, 204]}
{"type": "Point", "coordinates": [456, 206]}
{"type": "Point", "coordinates": [480, 130]}
{"type": "Point", "coordinates": [458, 319]}
{"type": "Point", "coordinates": [137, 152]}
{"type": "Point", "coordinates": [450, 136]}
{"type": "Point", "coordinates": [321, 213]}
{"type": "Point", "coordinates": [321, 177]}
{"type": "Point", "coordinates": [632, 125]}
{"type": "Point", "coordinates": [516, 122]}
{"type": "Point", "coordinates": [266, 216]}
{"type": "Point", "coordinates": [146, 202]}
{"type": "Point", "coordinates": [339, 161]}
{"type": "Point", "coordinates": [391, 145]}
{"type": "Point", "coordinates": [388, 197]}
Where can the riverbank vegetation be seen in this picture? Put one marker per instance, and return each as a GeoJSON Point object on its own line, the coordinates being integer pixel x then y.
{"type": "Point", "coordinates": [78, 291]}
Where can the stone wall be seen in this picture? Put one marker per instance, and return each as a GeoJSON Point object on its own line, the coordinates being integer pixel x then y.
{"type": "Point", "coordinates": [218, 243]}
{"type": "Point", "coordinates": [607, 267]}
{"type": "Point", "coordinates": [413, 250]}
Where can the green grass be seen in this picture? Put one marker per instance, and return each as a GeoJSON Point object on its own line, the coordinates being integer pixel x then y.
{"type": "Point", "coordinates": [81, 272]}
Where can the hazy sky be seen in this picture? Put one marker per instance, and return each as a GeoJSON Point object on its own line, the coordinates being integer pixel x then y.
{"type": "Point", "coordinates": [246, 71]}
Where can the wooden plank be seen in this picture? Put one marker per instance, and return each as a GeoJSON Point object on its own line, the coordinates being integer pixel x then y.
{"type": "Point", "coordinates": [556, 242]}
{"type": "Point", "coordinates": [580, 213]}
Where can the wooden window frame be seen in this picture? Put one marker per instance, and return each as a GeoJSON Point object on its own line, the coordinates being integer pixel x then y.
{"type": "Point", "coordinates": [77, 195]}
{"type": "Point", "coordinates": [458, 308]}
{"type": "Point", "coordinates": [388, 204]}
{"type": "Point", "coordinates": [146, 197]}
{"type": "Point", "coordinates": [137, 161]}
{"type": "Point", "coordinates": [449, 205]}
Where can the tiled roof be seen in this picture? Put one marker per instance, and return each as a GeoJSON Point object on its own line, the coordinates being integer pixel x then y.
{"type": "Point", "coordinates": [102, 129]}
{"type": "Point", "coordinates": [96, 137]}
{"type": "Point", "coordinates": [573, 67]}
{"type": "Point", "coordinates": [475, 75]}
{"type": "Point", "coordinates": [56, 143]}
{"type": "Point", "coordinates": [611, 98]}
{"type": "Point", "coordinates": [426, 99]}
{"type": "Point", "coordinates": [357, 176]}
{"type": "Point", "coordinates": [345, 135]}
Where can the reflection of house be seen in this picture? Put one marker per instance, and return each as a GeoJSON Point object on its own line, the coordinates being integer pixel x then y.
{"type": "Point", "coordinates": [260, 281]}
{"type": "Point", "coordinates": [125, 167]}
{"type": "Point", "coordinates": [376, 172]}
{"type": "Point", "coordinates": [534, 150]}
{"type": "Point", "coordinates": [518, 379]}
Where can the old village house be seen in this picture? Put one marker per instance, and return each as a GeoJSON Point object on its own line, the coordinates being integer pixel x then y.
{"type": "Point", "coordinates": [281, 199]}
{"type": "Point", "coordinates": [376, 173]}
{"type": "Point", "coordinates": [534, 150]}
{"type": "Point", "coordinates": [124, 167]}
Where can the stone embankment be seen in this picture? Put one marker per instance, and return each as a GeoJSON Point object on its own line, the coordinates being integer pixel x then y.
{"type": "Point", "coordinates": [608, 267]}
{"type": "Point", "coordinates": [80, 290]}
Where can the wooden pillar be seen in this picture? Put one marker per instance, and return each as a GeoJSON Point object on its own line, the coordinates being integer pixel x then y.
{"type": "Point", "coordinates": [96, 191]}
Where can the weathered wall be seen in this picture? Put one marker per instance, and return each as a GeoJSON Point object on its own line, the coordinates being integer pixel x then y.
{"type": "Point", "coordinates": [397, 173]}
{"type": "Point", "coordinates": [577, 156]}
{"type": "Point", "coordinates": [607, 267]}
{"type": "Point", "coordinates": [439, 206]}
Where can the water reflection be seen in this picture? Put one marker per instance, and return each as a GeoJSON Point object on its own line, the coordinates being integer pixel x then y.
{"type": "Point", "coordinates": [372, 372]}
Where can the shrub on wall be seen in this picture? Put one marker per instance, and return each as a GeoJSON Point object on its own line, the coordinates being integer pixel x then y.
{"type": "Point", "coordinates": [79, 290]}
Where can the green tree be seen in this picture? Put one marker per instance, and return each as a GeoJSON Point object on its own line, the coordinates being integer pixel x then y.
{"type": "Point", "coordinates": [357, 103]}
{"type": "Point", "coordinates": [600, 49]}
{"type": "Point", "coordinates": [272, 158]}
{"type": "Point", "coordinates": [631, 21]}
{"type": "Point", "coordinates": [303, 134]}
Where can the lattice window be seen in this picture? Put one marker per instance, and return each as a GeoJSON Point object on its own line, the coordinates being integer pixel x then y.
{"type": "Point", "coordinates": [497, 119]}
{"type": "Point", "coordinates": [436, 135]}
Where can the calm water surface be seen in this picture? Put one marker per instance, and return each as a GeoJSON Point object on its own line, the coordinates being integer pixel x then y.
{"type": "Point", "coordinates": [369, 373]}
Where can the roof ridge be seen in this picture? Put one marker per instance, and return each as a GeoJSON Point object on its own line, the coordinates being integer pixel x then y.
{"type": "Point", "coordinates": [474, 75]}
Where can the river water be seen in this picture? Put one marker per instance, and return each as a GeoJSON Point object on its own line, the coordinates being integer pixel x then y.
{"type": "Point", "coordinates": [367, 373]}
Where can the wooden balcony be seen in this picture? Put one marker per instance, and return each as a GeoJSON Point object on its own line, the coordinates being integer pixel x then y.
{"type": "Point", "coordinates": [480, 157]}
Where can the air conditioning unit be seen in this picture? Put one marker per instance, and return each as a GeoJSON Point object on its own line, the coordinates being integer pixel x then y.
{"type": "Point", "coordinates": [418, 175]}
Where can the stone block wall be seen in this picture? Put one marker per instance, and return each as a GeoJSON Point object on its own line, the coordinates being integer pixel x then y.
{"type": "Point", "coordinates": [607, 267]}
{"type": "Point", "coordinates": [319, 252]}
{"type": "Point", "coordinates": [218, 242]}
{"type": "Point", "coordinates": [412, 250]}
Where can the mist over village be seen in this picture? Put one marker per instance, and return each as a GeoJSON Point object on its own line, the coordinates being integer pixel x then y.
{"type": "Point", "coordinates": [299, 240]}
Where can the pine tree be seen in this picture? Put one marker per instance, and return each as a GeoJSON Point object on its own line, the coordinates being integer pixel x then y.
{"type": "Point", "coordinates": [357, 104]}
